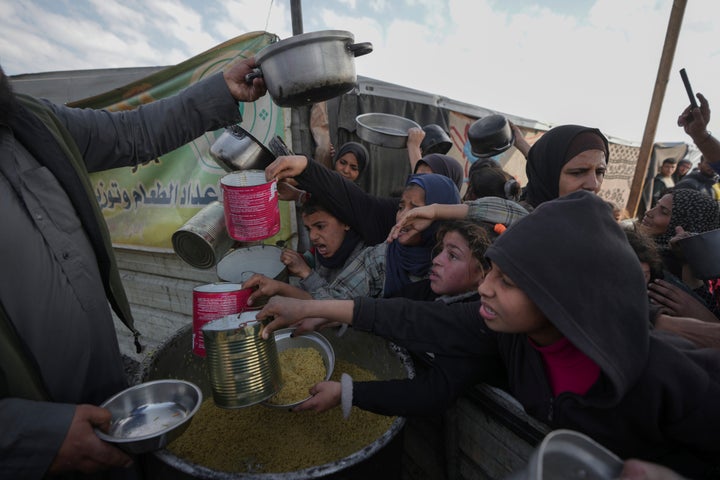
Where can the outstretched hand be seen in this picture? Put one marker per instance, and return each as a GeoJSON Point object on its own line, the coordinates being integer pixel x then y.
{"type": "Point", "coordinates": [695, 120]}
{"type": "Point", "coordinates": [235, 78]}
{"type": "Point", "coordinates": [82, 450]}
{"type": "Point", "coordinates": [288, 312]}
{"type": "Point", "coordinates": [634, 469]}
{"type": "Point", "coordinates": [415, 220]}
{"type": "Point", "coordinates": [288, 192]}
{"type": "Point", "coordinates": [263, 286]}
{"type": "Point", "coordinates": [676, 302]}
{"type": "Point", "coordinates": [295, 263]}
{"type": "Point", "coordinates": [286, 166]}
{"type": "Point", "coordinates": [325, 395]}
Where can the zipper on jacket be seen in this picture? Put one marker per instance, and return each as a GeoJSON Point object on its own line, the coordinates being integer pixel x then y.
{"type": "Point", "coordinates": [551, 407]}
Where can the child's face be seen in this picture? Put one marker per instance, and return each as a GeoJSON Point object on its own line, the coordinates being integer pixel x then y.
{"type": "Point", "coordinates": [455, 270]}
{"type": "Point", "coordinates": [412, 197]}
{"type": "Point", "coordinates": [506, 308]}
{"type": "Point", "coordinates": [347, 166]}
{"type": "Point", "coordinates": [326, 232]}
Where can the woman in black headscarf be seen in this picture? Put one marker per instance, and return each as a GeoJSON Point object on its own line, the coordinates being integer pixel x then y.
{"type": "Point", "coordinates": [442, 165]}
{"type": "Point", "coordinates": [565, 159]}
{"type": "Point", "coordinates": [350, 161]}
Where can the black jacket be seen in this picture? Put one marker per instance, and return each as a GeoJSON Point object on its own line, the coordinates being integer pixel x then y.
{"type": "Point", "coordinates": [653, 401]}
{"type": "Point", "coordinates": [372, 217]}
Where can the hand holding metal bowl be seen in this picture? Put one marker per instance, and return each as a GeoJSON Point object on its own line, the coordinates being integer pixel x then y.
{"type": "Point", "coordinates": [148, 416]}
{"type": "Point", "coordinates": [310, 67]}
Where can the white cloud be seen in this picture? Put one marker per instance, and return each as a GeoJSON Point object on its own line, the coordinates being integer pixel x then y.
{"type": "Point", "coordinates": [531, 61]}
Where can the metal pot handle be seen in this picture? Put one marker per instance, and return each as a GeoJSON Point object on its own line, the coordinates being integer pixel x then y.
{"type": "Point", "coordinates": [359, 49]}
{"type": "Point", "coordinates": [256, 73]}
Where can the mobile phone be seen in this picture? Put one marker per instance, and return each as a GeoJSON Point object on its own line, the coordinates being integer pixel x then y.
{"type": "Point", "coordinates": [688, 88]}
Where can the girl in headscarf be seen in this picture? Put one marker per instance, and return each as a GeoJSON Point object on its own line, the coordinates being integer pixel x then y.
{"type": "Point", "coordinates": [382, 270]}
{"type": "Point", "coordinates": [565, 159]}
{"type": "Point", "coordinates": [442, 165]}
{"type": "Point", "coordinates": [350, 161]}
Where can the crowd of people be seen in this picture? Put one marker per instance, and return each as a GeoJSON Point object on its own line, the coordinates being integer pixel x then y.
{"type": "Point", "coordinates": [591, 322]}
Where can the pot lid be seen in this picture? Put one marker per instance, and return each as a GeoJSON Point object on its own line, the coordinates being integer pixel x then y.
{"type": "Point", "coordinates": [238, 265]}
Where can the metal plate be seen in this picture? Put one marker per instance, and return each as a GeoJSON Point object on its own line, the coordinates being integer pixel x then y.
{"type": "Point", "coordinates": [148, 416]}
{"type": "Point", "coordinates": [285, 341]}
{"type": "Point", "coordinates": [384, 129]}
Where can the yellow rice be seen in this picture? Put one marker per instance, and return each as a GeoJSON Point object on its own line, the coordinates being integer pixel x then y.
{"type": "Point", "coordinates": [262, 439]}
{"type": "Point", "coordinates": [301, 368]}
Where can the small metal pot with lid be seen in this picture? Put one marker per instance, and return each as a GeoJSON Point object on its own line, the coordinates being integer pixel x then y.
{"type": "Point", "coordinates": [310, 67]}
{"type": "Point", "coordinates": [237, 149]}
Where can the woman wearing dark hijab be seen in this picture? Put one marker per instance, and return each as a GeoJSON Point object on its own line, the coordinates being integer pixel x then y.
{"type": "Point", "coordinates": [442, 165]}
{"type": "Point", "coordinates": [695, 213]}
{"type": "Point", "coordinates": [565, 159]}
{"type": "Point", "coordinates": [350, 161]}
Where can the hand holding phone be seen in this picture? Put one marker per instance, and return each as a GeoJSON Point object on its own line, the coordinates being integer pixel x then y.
{"type": "Point", "coordinates": [688, 88]}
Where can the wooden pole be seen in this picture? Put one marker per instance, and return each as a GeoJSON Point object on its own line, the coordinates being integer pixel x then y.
{"type": "Point", "coordinates": [666, 60]}
{"type": "Point", "coordinates": [296, 16]}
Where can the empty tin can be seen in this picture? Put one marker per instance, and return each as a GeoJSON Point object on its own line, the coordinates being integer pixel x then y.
{"type": "Point", "coordinates": [204, 239]}
{"type": "Point", "coordinates": [244, 368]}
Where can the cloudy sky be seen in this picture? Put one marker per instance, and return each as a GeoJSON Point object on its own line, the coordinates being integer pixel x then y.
{"type": "Point", "coordinates": [592, 62]}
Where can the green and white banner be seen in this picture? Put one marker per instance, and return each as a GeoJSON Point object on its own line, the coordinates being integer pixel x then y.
{"type": "Point", "coordinates": [146, 205]}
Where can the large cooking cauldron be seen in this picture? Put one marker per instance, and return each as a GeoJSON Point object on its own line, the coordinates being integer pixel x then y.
{"type": "Point", "coordinates": [174, 359]}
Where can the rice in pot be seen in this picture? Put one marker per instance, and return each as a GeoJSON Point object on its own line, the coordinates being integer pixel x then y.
{"type": "Point", "coordinates": [259, 439]}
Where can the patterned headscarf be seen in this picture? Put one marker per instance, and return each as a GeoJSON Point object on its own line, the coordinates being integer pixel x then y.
{"type": "Point", "coordinates": [692, 210]}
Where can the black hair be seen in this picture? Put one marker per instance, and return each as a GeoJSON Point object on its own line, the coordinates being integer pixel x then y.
{"type": "Point", "coordinates": [478, 235]}
{"type": "Point", "coordinates": [646, 250]}
{"type": "Point", "coordinates": [490, 180]}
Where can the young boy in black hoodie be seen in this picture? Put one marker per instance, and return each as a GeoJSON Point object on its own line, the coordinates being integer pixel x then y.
{"type": "Point", "coordinates": [565, 309]}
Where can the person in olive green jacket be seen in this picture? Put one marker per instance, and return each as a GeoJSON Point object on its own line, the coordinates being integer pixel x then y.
{"type": "Point", "coordinates": [59, 355]}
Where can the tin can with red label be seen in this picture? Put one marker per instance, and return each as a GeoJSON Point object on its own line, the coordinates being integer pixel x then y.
{"type": "Point", "coordinates": [213, 301]}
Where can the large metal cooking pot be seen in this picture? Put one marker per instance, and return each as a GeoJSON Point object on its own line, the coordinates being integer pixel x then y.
{"type": "Point", "coordinates": [174, 359]}
{"type": "Point", "coordinates": [310, 67]}
{"type": "Point", "coordinates": [236, 149]}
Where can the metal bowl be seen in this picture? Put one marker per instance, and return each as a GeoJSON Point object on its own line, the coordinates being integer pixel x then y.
{"type": "Point", "coordinates": [570, 455]}
{"type": "Point", "coordinates": [148, 416]}
{"type": "Point", "coordinates": [237, 149]}
{"type": "Point", "coordinates": [284, 340]}
{"type": "Point", "coordinates": [384, 129]}
{"type": "Point", "coordinates": [702, 253]}
{"type": "Point", "coordinates": [490, 136]}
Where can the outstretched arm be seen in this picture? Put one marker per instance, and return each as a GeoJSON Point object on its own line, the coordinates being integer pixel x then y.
{"type": "Point", "coordinates": [415, 138]}
{"type": "Point", "coordinates": [286, 312]}
{"type": "Point", "coordinates": [695, 121]}
{"type": "Point", "coordinates": [420, 218]}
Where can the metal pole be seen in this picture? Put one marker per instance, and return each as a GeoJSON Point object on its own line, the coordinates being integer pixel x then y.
{"type": "Point", "coordinates": [296, 15]}
{"type": "Point", "coordinates": [671, 37]}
